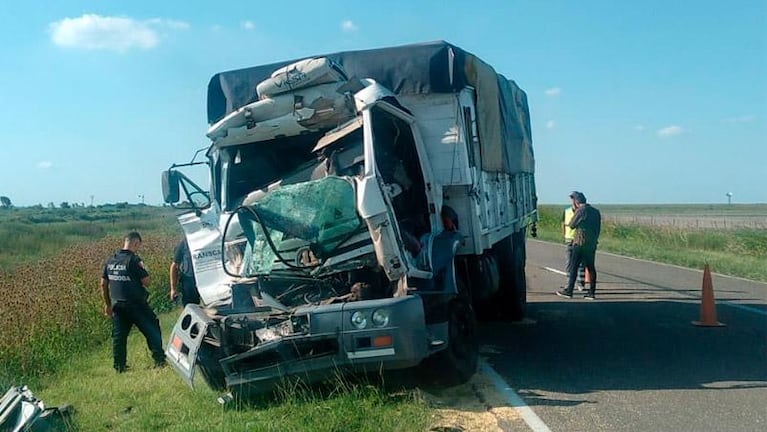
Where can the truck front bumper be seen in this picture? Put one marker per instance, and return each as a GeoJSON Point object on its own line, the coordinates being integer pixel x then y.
{"type": "Point", "coordinates": [332, 344]}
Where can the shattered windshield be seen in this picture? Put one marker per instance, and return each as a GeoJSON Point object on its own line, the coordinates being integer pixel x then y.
{"type": "Point", "coordinates": [301, 223]}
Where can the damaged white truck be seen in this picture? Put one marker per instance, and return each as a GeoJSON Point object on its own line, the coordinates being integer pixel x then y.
{"type": "Point", "coordinates": [364, 208]}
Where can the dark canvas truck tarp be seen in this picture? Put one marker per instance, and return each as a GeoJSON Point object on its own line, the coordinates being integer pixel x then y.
{"type": "Point", "coordinates": [434, 67]}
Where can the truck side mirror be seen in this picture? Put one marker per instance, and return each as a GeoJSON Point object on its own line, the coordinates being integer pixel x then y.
{"type": "Point", "coordinates": [170, 189]}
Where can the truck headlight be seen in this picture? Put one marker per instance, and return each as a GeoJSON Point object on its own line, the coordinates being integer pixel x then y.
{"type": "Point", "coordinates": [359, 320]}
{"type": "Point", "coordinates": [380, 317]}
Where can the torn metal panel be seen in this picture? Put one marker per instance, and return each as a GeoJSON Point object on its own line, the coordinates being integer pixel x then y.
{"type": "Point", "coordinates": [185, 341]}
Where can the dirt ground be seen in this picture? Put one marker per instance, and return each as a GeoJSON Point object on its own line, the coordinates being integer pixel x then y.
{"type": "Point", "coordinates": [474, 406]}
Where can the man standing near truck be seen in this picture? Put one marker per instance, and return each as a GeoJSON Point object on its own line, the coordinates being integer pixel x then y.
{"type": "Point", "coordinates": [569, 235]}
{"type": "Point", "coordinates": [181, 271]}
{"type": "Point", "coordinates": [587, 222]}
{"type": "Point", "coordinates": [123, 288]}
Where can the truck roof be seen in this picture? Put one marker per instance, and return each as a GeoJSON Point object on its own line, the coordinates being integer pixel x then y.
{"type": "Point", "coordinates": [431, 67]}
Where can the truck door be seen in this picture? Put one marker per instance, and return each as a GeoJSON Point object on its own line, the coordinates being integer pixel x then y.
{"type": "Point", "coordinates": [204, 239]}
{"type": "Point", "coordinates": [374, 205]}
{"type": "Point", "coordinates": [400, 209]}
{"type": "Point", "coordinates": [201, 229]}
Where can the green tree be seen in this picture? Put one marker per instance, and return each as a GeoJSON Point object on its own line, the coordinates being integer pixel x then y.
{"type": "Point", "coordinates": [5, 202]}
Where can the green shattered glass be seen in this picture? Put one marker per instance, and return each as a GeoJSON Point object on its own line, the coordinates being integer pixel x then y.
{"type": "Point", "coordinates": [317, 215]}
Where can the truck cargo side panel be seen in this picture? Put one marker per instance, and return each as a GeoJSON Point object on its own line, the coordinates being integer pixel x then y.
{"type": "Point", "coordinates": [438, 118]}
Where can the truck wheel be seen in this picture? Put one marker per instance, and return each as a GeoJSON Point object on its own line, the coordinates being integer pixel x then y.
{"type": "Point", "coordinates": [458, 362]}
{"type": "Point", "coordinates": [485, 280]}
{"type": "Point", "coordinates": [210, 368]}
{"type": "Point", "coordinates": [511, 254]}
{"type": "Point", "coordinates": [518, 292]}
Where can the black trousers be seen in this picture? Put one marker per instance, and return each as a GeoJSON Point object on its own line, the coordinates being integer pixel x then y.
{"type": "Point", "coordinates": [581, 269]}
{"type": "Point", "coordinates": [124, 316]}
{"type": "Point", "coordinates": [582, 255]}
{"type": "Point", "coordinates": [189, 293]}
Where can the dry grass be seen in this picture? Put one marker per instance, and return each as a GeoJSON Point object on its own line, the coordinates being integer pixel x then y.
{"type": "Point", "coordinates": [52, 307]}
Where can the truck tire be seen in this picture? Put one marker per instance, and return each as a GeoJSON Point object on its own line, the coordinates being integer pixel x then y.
{"type": "Point", "coordinates": [511, 255]}
{"type": "Point", "coordinates": [518, 292]}
{"type": "Point", "coordinates": [210, 368]}
{"type": "Point", "coordinates": [458, 362]}
{"type": "Point", "coordinates": [484, 277]}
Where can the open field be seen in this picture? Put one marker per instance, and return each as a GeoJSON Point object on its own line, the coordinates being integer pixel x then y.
{"type": "Point", "coordinates": [51, 266]}
{"type": "Point", "coordinates": [733, 251]}
{"type": "Point", "coordinates": [30, 234]}
{"type": "Point", "coordinates": [698, 216]}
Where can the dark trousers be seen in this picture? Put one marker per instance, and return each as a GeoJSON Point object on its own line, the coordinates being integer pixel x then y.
{"type": "Point", "coordinates": [124, 316]}
{"type": "Point", "coordinates": [581, 269]}
{"type": "Point", "coordinates": [582, 255]}
{"type": "Point", "coordinates": [189, 292]}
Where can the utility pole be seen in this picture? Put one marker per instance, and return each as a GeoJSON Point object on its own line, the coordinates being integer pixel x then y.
{"type": "Point", "coordinates": [141, 197]}
{"type": "Point", "coordinates": [729, 198]}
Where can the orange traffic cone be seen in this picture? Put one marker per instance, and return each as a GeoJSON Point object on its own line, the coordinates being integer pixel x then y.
{"type": "Point", "coordinates": [707, 304]}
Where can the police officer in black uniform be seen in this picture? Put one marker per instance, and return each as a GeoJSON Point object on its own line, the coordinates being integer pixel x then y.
{"type": "Point", "coordinates": [123, 287]}
{"type": "Point", "coordinates": [181, 271]}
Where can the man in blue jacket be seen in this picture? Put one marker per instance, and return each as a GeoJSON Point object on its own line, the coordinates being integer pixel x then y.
{"type": "Point", "coordinates": [182, 272]}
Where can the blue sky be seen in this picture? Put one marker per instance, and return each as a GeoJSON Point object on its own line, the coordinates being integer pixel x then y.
{"type": "Point", "coordinates": [641, 102]}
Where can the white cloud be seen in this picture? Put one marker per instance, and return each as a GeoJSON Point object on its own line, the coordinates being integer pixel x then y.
{"type": "Point", "coordinates": [349, 26]}
{"type": "Point", "coordinates": [44, 164]}
{"type": "Point", "coordinates": [741, 119]}
{"type": "Point", "coordinates": [670, 131]}
{"type": "Point", "coordinates": [550, 124]}
{"type": "Point", "coordinates": [96, 32]}
{"type": "Point", "coordinates": [552, 92]}
{"type": "Point", "coordinates": [248, 25]}
{"type": "Point", "coordinates": [639, 128]}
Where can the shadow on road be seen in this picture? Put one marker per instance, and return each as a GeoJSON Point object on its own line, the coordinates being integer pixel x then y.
{"type": "Point", "coordinates": [577, 347]}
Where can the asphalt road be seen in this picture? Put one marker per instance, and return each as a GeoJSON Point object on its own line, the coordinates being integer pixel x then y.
{"type": "Point", "coordinates": [632, 360]}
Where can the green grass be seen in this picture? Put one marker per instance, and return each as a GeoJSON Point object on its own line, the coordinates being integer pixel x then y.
{"type": "Point", "coordinates": [735, 252]}
{"type": "Point", "coordinates": [146, 399]}
{"type": "Point", "coordinates": [36, 233]}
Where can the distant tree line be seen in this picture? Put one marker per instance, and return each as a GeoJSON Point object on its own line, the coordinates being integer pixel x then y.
{"type": "Point", "coordinates": [6, 203]}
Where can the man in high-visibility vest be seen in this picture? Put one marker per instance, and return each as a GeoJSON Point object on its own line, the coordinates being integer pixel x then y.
{"type": "Point", "coordinates": [569, 234]}
{"type": "Point", "coordinates": [587, 222]}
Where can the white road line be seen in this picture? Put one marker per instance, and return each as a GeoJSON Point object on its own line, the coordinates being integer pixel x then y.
{"type": "Point", "coordinates": [724, 302]}
{"type": "Point", "coordinates": [744, 307]}
{"type": "Point", "coordinates": [516, 402]}
{"type": "Point", "coordinates": [555, 271]}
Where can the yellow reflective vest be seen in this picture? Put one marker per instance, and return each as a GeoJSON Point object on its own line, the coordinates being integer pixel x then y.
{"type": "Point", "coordinates": [569, 232]}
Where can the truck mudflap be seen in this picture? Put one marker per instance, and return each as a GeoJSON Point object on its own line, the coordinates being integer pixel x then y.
{"type": "Point", "coordinates": [185, 341]}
